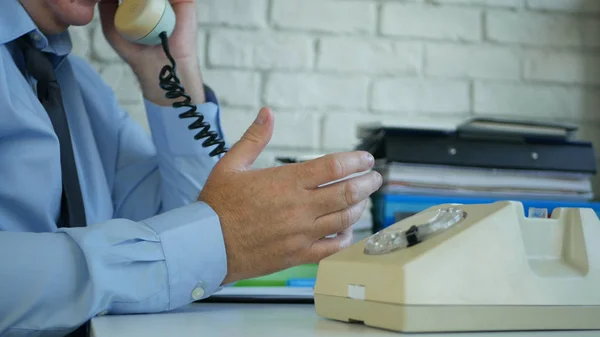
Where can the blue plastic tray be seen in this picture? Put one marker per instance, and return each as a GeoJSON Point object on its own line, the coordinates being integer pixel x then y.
{"type": "Point", "coordinates": [386, 206]}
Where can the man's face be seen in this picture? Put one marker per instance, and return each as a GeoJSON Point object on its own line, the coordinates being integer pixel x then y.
{"type": "Point", "coordinates": [73, 12]}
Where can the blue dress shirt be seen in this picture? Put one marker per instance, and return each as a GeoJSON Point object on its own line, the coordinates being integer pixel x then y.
{"type": "Point", "coordinates": [149, 245]}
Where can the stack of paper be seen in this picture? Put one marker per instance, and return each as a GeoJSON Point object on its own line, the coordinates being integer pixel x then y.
{"type": "Point", "coordinates": [406, 178]}
{"type": "Point", "coordinates": [264, 294]}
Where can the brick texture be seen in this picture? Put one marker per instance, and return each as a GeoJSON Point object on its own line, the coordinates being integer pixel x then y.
{"type": "Point", "coordinates": [533, 101]}
{"type": "Point", "coordinates": [240, 13]}
{"type": "Point", "coordinates": [240, 49]}
{"type": "Point", "coordinates": [421, 96]}
{"type": "Point", "coordinates": [235, 88]}
{"type": "Point", "coordinates": [540, 29]}
{"type": "Point", "coordinates": [370, 56]}
{"type": "Point", "coordinates": [563, 67]}
{"type": "Point", "coordinates": [572, 6]}
{"type": "Point", "coordinates": [431, 22]}
{"type": "Point", "coordinates": [338, 16]}
{"type": "Point", "coordinates": [308, 90]}
{"type": "Point", "coordinates": [488, 62]}
{"type": "Point", "coordinates": [487, 3]}
{"type": "Point", "coordinates": [292, 128]}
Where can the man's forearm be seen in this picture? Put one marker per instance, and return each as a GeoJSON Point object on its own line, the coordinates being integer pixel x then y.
{"type": "Point", "coordinates": [191, 79]}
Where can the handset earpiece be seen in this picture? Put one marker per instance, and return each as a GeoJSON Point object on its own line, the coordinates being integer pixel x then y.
{"type": "Point", "coordinates": [142, 21]}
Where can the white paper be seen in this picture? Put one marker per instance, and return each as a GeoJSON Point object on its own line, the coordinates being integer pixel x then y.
{"type": "Point", "coordinates": [266, 292]}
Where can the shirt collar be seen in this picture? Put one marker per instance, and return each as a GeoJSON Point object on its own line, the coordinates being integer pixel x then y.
{"type": "Point", "coordinates": [16, 22]}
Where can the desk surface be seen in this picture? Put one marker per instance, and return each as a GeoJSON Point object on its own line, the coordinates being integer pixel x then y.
{"type": "Point", "coordinates": [264, 320]}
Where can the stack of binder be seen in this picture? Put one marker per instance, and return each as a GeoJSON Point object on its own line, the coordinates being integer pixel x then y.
{"type": "Point", "coordinates": [481, 161]}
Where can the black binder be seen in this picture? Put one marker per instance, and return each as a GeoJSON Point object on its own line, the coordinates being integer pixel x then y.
{"type": "Point", "coordinates": [453, 148]}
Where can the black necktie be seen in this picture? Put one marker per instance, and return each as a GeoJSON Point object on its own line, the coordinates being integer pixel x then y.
{"type": "Point", "coordinates": [72, 212]}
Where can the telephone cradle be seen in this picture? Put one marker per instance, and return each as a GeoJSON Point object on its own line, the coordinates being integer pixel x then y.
{"type": "Point", "coordinates": [462, 268]}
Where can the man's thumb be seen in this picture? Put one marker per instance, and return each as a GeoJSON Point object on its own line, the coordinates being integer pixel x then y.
{"type": "Point", "coordinates": [243, 154]}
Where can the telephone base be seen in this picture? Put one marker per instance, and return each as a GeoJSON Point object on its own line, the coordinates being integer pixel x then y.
{"type": "Point", "coordinates": [464, 268]}
{"type": "Point", "coordinates": [450, 318]}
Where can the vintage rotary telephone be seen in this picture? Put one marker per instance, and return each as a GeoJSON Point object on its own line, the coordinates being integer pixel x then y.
{"type": "Point", "coordinates": [458, 268]}
{"type": "Point", "coordinates": [151, 22]}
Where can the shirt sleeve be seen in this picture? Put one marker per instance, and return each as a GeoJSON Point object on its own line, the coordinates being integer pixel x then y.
{"type": "Point", "coordinates": [169, 171]}
{"type": "Point", "coordinates": [184, 163]}
{"type": "Point", "coordinates": [148, 174]}
{"type": "Point", "coordinates": [54, 282]}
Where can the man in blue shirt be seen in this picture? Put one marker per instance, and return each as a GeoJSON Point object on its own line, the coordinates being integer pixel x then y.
{"type": "Point", "coordinates": [166, 223]}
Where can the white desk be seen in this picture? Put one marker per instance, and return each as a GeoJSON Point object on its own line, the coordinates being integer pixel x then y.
{"type": "Point", "coordinates": [260, 320]}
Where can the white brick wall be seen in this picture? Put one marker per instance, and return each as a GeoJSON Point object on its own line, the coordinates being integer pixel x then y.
{"type": "Point", "coordinates": [260, 50]}
{"type": "Point", "coordinates": [316, 91]}
{"type": "Point", "coordinates": [325, 66]}
{"type": "Point", "coordinates": [563, 67]}
{"type": "Point", "coordinates": [543, 29]}
{"type": "Point", "coordinates": [472, 61]}
{"type": "Point", "coordinates": [553, 101]}
{"type": "Point", "coordinates": [369, 55]}
{"type": "Point", "coordinates": [575, 6]}
{"type": "Point", "coordinates": [348, 16]}
{"type": "Point", "coordinates": [238, 13]}
{"type": "Point", "coordinates": [431, 22]}
{"type": "Point", "coordinates": [412, 96]}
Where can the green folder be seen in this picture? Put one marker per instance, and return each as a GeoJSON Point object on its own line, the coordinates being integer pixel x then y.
{"type": "Point", "coordinates": [279, 279]}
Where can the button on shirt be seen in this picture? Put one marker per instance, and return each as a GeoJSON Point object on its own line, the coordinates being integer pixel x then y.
{"type": "Point", "coordinates": [149, 245]}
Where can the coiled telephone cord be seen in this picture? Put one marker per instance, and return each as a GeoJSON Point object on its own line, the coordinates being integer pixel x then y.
{"type": "Point", "coordinates": [174, 90]}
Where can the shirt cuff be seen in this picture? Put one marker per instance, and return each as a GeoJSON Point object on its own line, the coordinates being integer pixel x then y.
{"type": "Point", "coordinates": [194, 249]}
{"type": "Point", "coordinates": [171, 133]}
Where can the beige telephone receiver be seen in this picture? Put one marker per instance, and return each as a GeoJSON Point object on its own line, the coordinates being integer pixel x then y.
{"type": "Point", "coordinates": [152, 22]}
{"type": "Point", "coordinates": [142, 21]}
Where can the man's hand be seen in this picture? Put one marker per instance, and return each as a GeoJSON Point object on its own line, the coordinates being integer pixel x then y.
{"type": "Point", "coordinates": [277, 218]}
{"type": "Point", "coordinates": [147, 61]}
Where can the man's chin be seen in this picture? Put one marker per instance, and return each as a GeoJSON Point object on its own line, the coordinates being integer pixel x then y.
{"type": "Point", "coordinates": [80, 15]}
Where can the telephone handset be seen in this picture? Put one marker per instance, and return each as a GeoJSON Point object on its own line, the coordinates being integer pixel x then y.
{"type": "Point", "coordinates": [151, 22]}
